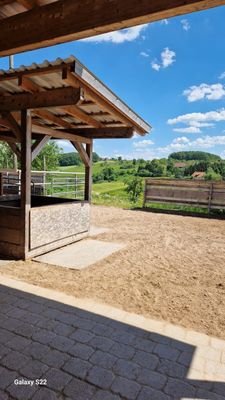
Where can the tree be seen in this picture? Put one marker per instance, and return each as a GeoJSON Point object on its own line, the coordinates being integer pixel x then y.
{"type": "Point", "coordinates": [134, 188]}
{"type": "Point", "coordinates": [108, 174]}
{"type": "Point", "coordinates": [67, 159]}
{"type": "Point", "coordinates": [155, 168]}
{"type": "Point", "coordinates": [211, 175]}
{"type": "Point", "coordinates": [194, 155]}
{"type": "Point", "coordinates": [95, 157]}
{"type": "Point", "coordinates": [48, 158]}
{"type": "Point", "coordinates": [6, 156]}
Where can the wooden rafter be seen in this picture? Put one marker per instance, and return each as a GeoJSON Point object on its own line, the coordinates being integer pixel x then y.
{"type": "Point", "coordinates": [59, 134]}
{"type": "Point", "coordinates": [32, 87]}
{"type": "Point", "coordinates": [28, 4]}
{"type": "Point", "coordinates": [73, 81]}
{"type": "Point", "coordinates": [53, 118]}
{"type": "Point", "coordinates": [15, 149]}
{"type": "Point", "coordinates": [82, 152]}
{"type": "Point", "coordinates": [7, 136]}
{"type": "Point", "coordinates": [66, 20]}
{"type": "Point", "coordinates": [76, 112]}
{"type": "Point", "coordinates": [38, 146]}
{"type": "Point", "coordinates": [50, 98]}
{"type": "Point", "coordinates": [12, 123]}
{"type": "Point", "coordinates": [105, 133]}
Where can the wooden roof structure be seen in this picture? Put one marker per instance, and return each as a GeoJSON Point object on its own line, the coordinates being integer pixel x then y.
{"type": "Point", "coordinates": [31, 24]}
{"type": "Point", "coordinates": [66, 101]}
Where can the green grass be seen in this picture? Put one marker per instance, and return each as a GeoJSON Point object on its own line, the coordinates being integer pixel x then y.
{"type": "Point", "coordinates": [110, 194]}
{"type": "Point", "coordinates": [114, 194]}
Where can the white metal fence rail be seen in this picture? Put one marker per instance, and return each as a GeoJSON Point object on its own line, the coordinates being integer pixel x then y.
{"type": "Point", "coordinates": [45, 183]}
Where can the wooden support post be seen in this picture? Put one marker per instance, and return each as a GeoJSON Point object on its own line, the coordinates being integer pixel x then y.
{"type": "Point", "coordinates": [26, 126]}
{"type": "Point", "coordinates": [88, 173]}
{"type": "Point", "coordinates": [1, 184]}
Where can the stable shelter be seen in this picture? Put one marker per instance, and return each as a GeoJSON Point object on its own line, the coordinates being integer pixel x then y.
{"type": "Point", "coordinates": [58, 100]}
{"type": "Point", "coordinates": [63, 100]}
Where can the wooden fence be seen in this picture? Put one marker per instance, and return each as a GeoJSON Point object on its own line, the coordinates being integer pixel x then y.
{"type": "Point", "coordinates": [194, 193]}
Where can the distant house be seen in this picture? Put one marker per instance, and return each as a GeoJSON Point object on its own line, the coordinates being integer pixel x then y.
{"type": "Point", "coordinates": [198, 175]}
{"type": "Point", "coordinates": [180, 165]}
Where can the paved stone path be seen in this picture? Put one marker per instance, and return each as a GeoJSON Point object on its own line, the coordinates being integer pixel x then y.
{"type": "Point", "coordinates": [81, 350]}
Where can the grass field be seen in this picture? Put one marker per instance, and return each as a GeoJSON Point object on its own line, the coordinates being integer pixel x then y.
{"type": "Point", "coordinates": [113, 193]}
{"type": "Point", "coordinates": [107, 193]}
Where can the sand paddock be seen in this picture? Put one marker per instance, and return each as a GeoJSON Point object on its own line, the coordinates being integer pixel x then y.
{"type": "Point", "coordinates": [173, 268]}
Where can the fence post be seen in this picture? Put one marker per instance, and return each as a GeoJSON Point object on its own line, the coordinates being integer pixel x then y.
{"type": "Point", "coordinates": [145, 189]}
{"type": "Point", "coordinates": [210, 197]}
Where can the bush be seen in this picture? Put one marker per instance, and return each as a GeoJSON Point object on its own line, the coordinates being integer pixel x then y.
{"type": "Point", "coordinates": [134, 188]}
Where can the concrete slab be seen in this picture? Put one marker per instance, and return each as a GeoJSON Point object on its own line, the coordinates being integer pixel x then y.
{"type": "Point", "coordinates": [81, 254]}
{"type": "Point", "coordinates": [97, 230]}
{"type": "Point", "coordinates": [4, 262]}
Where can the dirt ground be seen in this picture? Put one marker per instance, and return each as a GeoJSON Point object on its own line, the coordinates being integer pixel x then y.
{"type": "Point", "coordinates": [172, 268]}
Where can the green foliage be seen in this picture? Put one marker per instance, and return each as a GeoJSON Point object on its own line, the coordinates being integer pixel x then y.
{"type": "Point", "coordinates": [95, 157]}
{"type": "Point", "coordinates": [194, 155]}
{"type": "Point", "coordinates": [6, 156]}
{"type": "Point", "coordinates": [211, 175]}
{"type": "Point", "coordinates": [66, 159]}
{"type": "Point", "coordinates": [48, 159]}
{"type": "Point", "coordinates": [134, 188]}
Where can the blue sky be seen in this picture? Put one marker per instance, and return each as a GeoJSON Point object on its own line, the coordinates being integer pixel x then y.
{"type": "Point", "coordinates": [171, 72]}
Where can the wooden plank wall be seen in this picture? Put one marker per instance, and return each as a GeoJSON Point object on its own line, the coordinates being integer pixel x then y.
{"type": "Point", "coordinates": [205, 194]}
{"type": "Point", "coordinates": [10, 231]}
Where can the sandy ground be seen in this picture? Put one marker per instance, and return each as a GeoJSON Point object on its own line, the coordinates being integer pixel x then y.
{"type": "Point", "coordinates": [173, 268]}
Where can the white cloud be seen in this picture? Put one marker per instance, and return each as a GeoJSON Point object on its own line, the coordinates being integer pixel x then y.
{"type": "Point", "coordinates": [183, 143]}
{"type": "Point", "coordinates": [164, 22]}
{"type": "Point", "coordinates": [155, 66]}
{"type": "Point", "coordinates": [185, 25]}
{"type": "Point", "coordinates": [194, 119]}
{"type": "Point", "coordinates": [144, 54]}
{"type": "Point", "coordinates": [142, 144]}
{"type": "Point", "coordinates": [204, 91]}
{"type": "Point", "coordinates": [222, 76]}
{"type": "Point", "coordinates": [189, 129]}
{"type": "Point", "coordinates": [125, 35]}
{"type": "Point", "coordinates": [168, 57]}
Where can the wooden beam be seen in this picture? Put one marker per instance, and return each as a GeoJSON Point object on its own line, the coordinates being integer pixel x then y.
{"type": "Point", "coordinates": [29, 85]}
{"type": "Point", "coordinates": [15, 149]}
{"type": "Point", "coordinates": [12, 123]}
{"type": "Point", "coordinates": [7, 136]}
{"type": "Point", "coordinates": [38, 146]}
{"type": "Point", "coordinates": [76, 112]}
{"type": "Point", "coordinates": [59, 134]}
{"type": "Point", "coordinates": [104, 133]}
{"type": "Point", "coordinates": [82, 152]}
{"type": "Point", "coordinates": [45, 114]}
{"type": "Point", "coordinates": [102, 102]}
{"type": "Point", "coordinates": [88, 173]}
{"type": "Point", "coordinates": [32, 87]}
{"type": "Point", "coordinates": [28, 4]}
{"type": "Point", "coordinates": [67, 20]}
{"type": "Point", "coordinates": [50, 98]}
{"type": "Point", "coordinates": [26, 124]}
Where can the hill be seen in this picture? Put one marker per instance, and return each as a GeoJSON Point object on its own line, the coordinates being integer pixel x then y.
{"type": "Point", "coordinates": [194, 156]}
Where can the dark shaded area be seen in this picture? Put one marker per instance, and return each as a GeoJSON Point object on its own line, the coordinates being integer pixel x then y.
{"type": "Point", "coordinates": [85, 356]}
{"type": "Point", "coordinates": [212, 215]}
{"type": "Point", "coordinates": [37, 201]}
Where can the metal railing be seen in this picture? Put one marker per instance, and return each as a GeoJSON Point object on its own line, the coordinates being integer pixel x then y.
{"type": "Point", "coordinates": [45, 183]}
